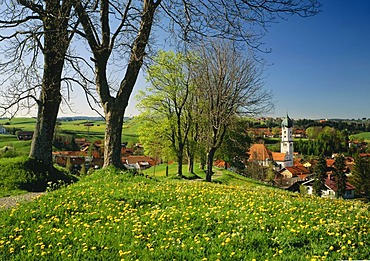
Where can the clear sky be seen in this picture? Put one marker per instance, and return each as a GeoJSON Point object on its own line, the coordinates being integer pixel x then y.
{"type": "Point", "coordinates": [319, 67]}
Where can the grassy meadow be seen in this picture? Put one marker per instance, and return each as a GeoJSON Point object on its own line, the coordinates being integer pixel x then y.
{"type": "Point", "coordinates": [111, 215]}
{"type": "Point", "coordinates": [73, 128]}
{"type": "Point", "coordinates": [361, 136]}
{"type": "Point", "coordinates": [13, 152]}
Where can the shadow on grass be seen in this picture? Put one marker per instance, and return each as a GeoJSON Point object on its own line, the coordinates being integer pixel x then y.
{"type": "Point", "coordinates": [31, 175]}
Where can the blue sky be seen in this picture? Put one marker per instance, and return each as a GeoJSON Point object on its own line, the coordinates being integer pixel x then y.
{"type": "Point", "coordinates": [319, 67]}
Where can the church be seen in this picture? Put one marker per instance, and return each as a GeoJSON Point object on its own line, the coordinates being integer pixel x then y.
{"type": "Point", "coordinates": [282, 159]}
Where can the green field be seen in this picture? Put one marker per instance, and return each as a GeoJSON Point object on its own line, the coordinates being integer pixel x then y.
{"type": "Point", "coordinates": [361, 136]}
{"type": "Point", "coordinates": [71, 129]}
{"type": "Point", "coordinates": [112, 215]}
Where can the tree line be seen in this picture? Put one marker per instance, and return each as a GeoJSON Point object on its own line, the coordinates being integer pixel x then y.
{"type": "Point", "coordinates": [51, 47]}
{"type": "Point", "coordinates": [195, 101]}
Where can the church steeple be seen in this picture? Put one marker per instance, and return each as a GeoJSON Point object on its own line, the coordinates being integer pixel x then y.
{"type": "Point", "coordinates": [287, 122]}
{"type": "Point", "coordinates": [286, 145]}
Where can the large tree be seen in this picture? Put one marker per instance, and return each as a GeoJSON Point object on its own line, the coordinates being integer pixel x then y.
{"type": "Point", "coordinates": [229, 85]}
{"type": "Point", "coordinates": [361, 176]}
{"type": "Point", "coordinates": [340, 175]}
{"type": "Point", "coordinates": [169, 98]}
{"type": "Point", "coordinates": [189, 21]}
{"type": "Point", "coordinates": [35, 37]}
{"type": "Point", "coordinates": [320, 176]}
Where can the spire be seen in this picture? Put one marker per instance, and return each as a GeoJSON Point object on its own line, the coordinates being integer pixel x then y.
{"type": "Point", "coordinates": [287, 122]}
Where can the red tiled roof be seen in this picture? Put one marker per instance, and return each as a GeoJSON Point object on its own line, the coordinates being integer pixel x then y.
{"type": "Point", "coordinates": [137, 159]}
{"type": "Point", "coordinates": [330, 182]}
{"type": "Point", "coordinates": [278, 156]}
{"type": "Point", "coordinates": [297, 170]}
{"type": "Point", "coordinates": [259, 152]}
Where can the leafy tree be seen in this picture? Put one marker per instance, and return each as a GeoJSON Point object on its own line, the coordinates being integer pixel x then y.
{"type": "Point", "coordinates": [361, 176]}
{"type": "Point", "coordinates": [169, 98]}
{"type": "Point", "coordinates": [233, 149]}
{"type": "Point", "coordinates": [341, 178]}
{"type": "Point", "coordinates": [114, 29]}
{"type": "Point", "coordinates": [320, 176]}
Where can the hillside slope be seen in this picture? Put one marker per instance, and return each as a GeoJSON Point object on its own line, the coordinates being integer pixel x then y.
{"type": "Point", "coordinates": [112, 216]}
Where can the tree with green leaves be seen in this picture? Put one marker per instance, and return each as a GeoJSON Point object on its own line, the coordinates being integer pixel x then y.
{"type": "Point", "coordinates": [361, 176]}
{"type": "Point", "coordinates": [119, 32]}
{"type": "Point", "coordinates": [320, 176]}
{"type": "Point", "coordinates": [340, 175]}
{"type": "Point", "coordinates": [169, 98]}
{"type": "Point", "coordinates": [233, 149]}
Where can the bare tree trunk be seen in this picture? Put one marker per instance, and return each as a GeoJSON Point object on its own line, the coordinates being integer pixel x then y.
{"type": "Point", "coordinates": [180, 157]}
{"type": "Point", "coordinates": [191, 163]}
{"type": "Point", "coordinates": [41, 146]}
{"type": "Point", "coordinates": [56, 43]}
{"type": "Point", "coordinates": [210, 156]}
{"type": "Point", "coordinates": [112, 141]}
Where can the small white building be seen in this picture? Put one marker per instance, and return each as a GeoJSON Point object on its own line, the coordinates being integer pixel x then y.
{"type": "Point", "coordinates": [329, 189]}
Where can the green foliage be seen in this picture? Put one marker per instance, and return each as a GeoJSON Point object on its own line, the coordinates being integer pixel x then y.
{"type": "Point", "coordinates": [361, 176]}
{"type": "Point", "coordinates": [341, 177]}
{"type": "Point", "coordinates": [324, 141]}
{"type": "Point", "coordinates": [236, 140]}
{"type": "Point", "coordinates": [320, 176]}
{"type": "Point", "coordinates": [112, 215]}
{"type": "Point", "coordinates": [303, 189]}
{"type": "Point", "coordinates": [22, 173]}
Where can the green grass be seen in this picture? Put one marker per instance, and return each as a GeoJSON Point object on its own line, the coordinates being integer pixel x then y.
{"type": "Point", "coordinates": [21, 174]}
{"type": "Point", "coordinates": [111, 215]}
{"type": "Point", "coordinates": [25, 124]}
{"type": "Point", "coordinates": [361, 136]}
{"type": "Point", "coordinates": [76, 129]}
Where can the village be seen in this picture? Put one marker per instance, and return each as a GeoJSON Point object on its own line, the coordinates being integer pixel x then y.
{"type": "Point", "coordinates": [291, 170]}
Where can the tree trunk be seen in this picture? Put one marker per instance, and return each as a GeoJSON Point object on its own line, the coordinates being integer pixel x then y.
{"type": "Point", "coordinates": [41, 146]}
{"type": "Point", "coordinates": [210, 156]}
{"type": "Point", "coordinates": [180, 157]}
{"type": "Point", "coordinates": [56, 42]}
{"type": "Point", "coordinates": [113, 134]}
{"type": "Point", "coordinates": [191, 164]}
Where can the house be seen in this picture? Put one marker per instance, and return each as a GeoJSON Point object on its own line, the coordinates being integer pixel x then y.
{"type": "Point", "coordinates": [282, 159]}
{"type": "Point", "coordinates": [138, 162]}
{"type": "Point", "coordinates": [295, 171]}
{"type": "Point", "coordinates": [329, 188]}
{"type": "Point", "coordinates": [331, 191]}
{"type": "Point", "coordinates": [2, 130]}
{"type": "Point", "coordinates": [260, 154]}
{"type": "Point", "coordinates": [25, 135]}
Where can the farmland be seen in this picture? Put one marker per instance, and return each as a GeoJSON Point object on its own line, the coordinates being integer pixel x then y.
{"type": "Point", "coordinates": [69, 129]}
{"type": "Point", "coordinates": [111, 215]}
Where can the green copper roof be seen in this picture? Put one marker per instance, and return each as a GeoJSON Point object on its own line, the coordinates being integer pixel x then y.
{"type": "Point", "coordinates": [287, 122]}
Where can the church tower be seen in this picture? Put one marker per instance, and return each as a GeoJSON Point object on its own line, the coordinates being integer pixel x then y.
{"type": "Point", "coordinates": [286, 145]}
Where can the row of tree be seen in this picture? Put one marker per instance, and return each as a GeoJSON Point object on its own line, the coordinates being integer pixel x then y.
{"type": "Point", "coordinates": [194, 101]}
{"type": "Point", "coordinates": [44, 56]}
{"type": "Point", "coordinates": [322, 141]}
